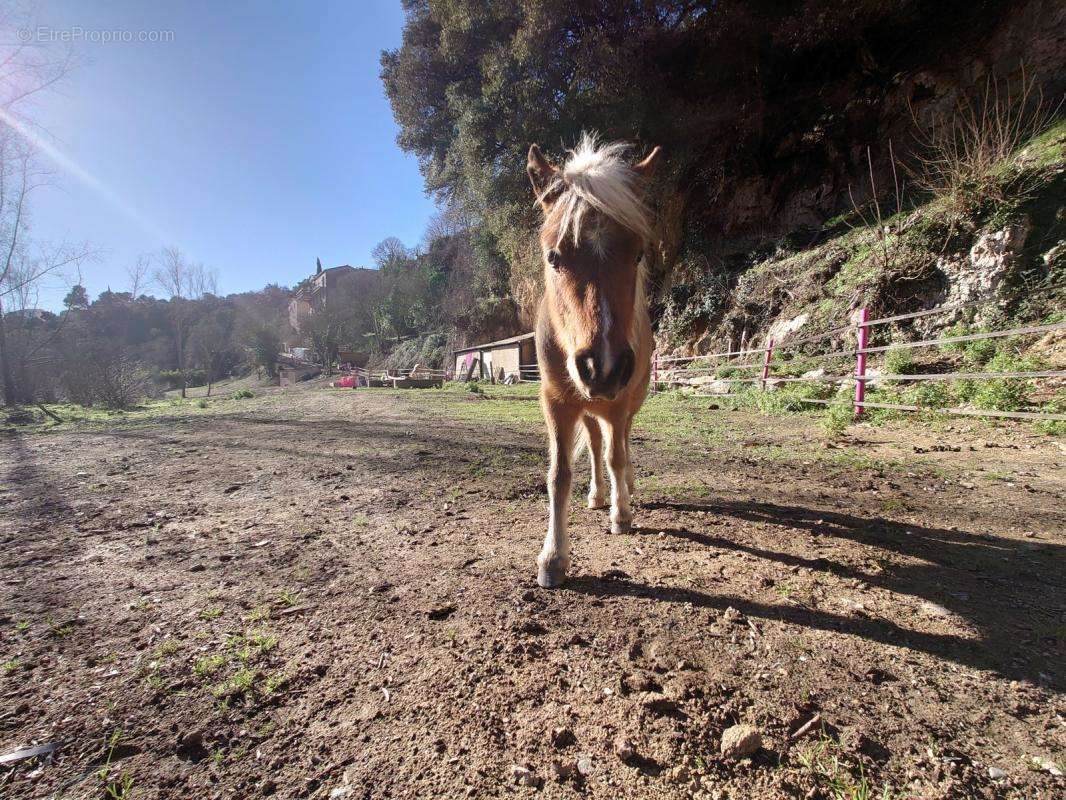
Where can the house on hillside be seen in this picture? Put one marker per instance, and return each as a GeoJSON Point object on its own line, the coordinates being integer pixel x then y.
{"type": "Point", "coordinates": [314, 292]}
{"type": "Point", "coordinates": [514, 358]}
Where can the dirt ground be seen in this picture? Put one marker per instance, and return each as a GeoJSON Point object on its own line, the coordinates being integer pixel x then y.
{"type": "Point", "coordinates": [330, 593]}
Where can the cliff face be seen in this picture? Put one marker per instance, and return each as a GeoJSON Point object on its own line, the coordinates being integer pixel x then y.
{"type": "Point", "coordinates": [781, 228]}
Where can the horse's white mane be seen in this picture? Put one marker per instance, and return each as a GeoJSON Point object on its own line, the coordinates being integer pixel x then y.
{"type": "Point", "coordinates": [597, 177]}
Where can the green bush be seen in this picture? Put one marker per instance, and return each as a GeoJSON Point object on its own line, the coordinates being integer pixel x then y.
{"type": "Point", "coordinates": [837, 418]}
{"type": "Point", "coordinates": [979, 353]}
{"type": "Point", "coordinates": [1004, 394]}
{"type": "Point", "coordinates": [242, 394]}
{"type": "Point", "coordinates": [929, 394]}
{"type": "Point", "coordinates": [900, 361]}
{"type": "Point", "coordinates": [202, 404]}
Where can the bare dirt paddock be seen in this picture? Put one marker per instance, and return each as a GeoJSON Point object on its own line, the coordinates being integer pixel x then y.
{"type": "Point", "coordinates": [330, 593]}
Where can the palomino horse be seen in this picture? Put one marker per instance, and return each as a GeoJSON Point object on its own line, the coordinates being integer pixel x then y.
{"type": "Point", "coordinates": [594, 338]}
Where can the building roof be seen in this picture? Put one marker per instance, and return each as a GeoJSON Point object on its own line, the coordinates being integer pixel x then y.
{"type": "Point", "coordinates": [492, 345]}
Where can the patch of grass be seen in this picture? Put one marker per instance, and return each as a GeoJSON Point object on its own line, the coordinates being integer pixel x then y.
{"type": "Point", "coordinates": [259, 613]}
{"type": "Point", "coordinates": [828, 763]}
{"type": "Point", "coordinates": [287, 597]}
{"type": "Point", "coordinates": [212, 612]}
{"type": "Point", "coordinates": [252, 644]}
{"type": "Point", "coordinates": [60, 631]}
{"type": "Point", "coordinates": [10, 665]}
{"type": "Point", "coordinates": [274, 682]}
{"type": "Point", "coordinates": [22, 626]}
{"type": "Point", "coordinates": [167, 648]}
{"type": "Point", "coordinates": [893, 506]}
{"type": "Point", "coordinates": [209, 665]}
{"type": "Point", "coordinates": [243, 680]}
{"type": "Point", "coordinates": [121, 786]}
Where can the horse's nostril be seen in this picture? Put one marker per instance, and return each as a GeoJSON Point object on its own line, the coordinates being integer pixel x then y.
{"type": "Point", "coordinates": [588, 365]}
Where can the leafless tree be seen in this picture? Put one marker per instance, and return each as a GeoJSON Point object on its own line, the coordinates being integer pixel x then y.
{"type": "Point", "coordinates": [184, 282]}
{"type": "Point", "coordinates": [26, 70]}
{"type": "Point", "coordinates": [138, 273]}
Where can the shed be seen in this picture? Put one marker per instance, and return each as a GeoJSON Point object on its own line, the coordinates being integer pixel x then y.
{"type": "Point", "coordinates": [486, 361]}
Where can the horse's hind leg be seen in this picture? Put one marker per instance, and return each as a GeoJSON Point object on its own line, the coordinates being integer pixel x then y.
{"type": "Point", "coordinates": [617, 463]}
{"type": "Point", "coordinates": [598, 484]}
{"type": "Point", "coordinates": [554, 558]}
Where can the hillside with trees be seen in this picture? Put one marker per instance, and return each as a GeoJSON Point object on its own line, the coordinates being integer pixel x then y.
{"type": "Point", "coordinates": [820, 156]}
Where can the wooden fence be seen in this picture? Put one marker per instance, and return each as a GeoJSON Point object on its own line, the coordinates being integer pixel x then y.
{"type": "Point", "coordinates": [861, 327]}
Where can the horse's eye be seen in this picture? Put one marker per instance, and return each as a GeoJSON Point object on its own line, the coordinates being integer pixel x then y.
{"type": "Point", "coordinates": [554, 258]}
{"type": "Point", "coordinates": [640, 255]}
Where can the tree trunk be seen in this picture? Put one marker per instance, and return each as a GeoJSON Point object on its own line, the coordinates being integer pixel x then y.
{"type": "Point", "coordinates": [5, 363]}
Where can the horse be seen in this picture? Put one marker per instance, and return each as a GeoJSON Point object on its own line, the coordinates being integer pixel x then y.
{"type": "Point", "coordinates": [593, 335]}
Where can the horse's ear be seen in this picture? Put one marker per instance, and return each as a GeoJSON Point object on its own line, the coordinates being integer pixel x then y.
{"type": "Point", "coordinates": [646, 168]}
{"type": "Point", "coordinates": [540, 170]}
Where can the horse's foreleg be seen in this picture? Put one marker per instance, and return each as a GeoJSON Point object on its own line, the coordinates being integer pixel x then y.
{"type": "Point", "coordinates": [618, 464]}
{"type": "Point", "coordinates": [554, 558]}
{"type": "Point", "coordinates": [631, 483]}
{"type": "Point", "coordinates": [598, 484]}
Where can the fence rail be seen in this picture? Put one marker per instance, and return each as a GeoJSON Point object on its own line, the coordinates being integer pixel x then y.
{"type": "Point", "coordinates": [665, 370]}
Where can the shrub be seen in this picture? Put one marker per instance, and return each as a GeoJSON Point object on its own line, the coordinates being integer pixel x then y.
{"type": "Point", "coordinates": [243, 394]}
{"type": "Point", "coordinates": [202, 404]}
{"type": "Point", "coordinates": [104, 375]}
{"type": "Point", "coordinates": [979, 353]}
{"type": "Point", "coordinates": [968, 155]}
{"type": "Point", "coordinates": [900, 361]}
{"type": "Point", "coordinates": [929, 394]}
{"type": "Point", "coordinates": [1004, 394]}
{"type": "Point", "coordinates": [837, 419]}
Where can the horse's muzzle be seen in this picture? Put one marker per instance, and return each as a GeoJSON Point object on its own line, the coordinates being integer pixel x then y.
{"type": "Point", "coordinates": [604, 381]}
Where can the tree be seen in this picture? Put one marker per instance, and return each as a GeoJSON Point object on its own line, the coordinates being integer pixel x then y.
{"type": "Point", "coordinates": [77, 298]}
{"type": "Point", "coordinates": [211, 343]}
{"type": "Point", "coordinates": [137, 274]}
{"type": "Point", "coordinates": [25, 71]}
{"type": "Point", "coordinates": [265, 347]}
{"type": "Point", "coordinates": [184, 282]}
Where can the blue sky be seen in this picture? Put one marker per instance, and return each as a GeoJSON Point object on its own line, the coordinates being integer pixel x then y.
{"type": "Point", "coordinates": [256, 140]}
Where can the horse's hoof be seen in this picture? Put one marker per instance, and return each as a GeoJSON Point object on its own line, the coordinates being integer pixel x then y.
{"type": "Point", "coordinates": [552, 573]}
{"type": "Point", "coordinates": [597, 502]}
{"type": "Point", "coordinates": [621, 525]}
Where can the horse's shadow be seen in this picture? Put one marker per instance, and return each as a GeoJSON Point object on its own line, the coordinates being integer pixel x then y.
{"type": "Point", "coordinates": [1012, 594]}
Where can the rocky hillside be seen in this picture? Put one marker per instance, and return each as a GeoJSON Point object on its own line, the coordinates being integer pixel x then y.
{"type": "Point", "coordinates": [1001, 251]}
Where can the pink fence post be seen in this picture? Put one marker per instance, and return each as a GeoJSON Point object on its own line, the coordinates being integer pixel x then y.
{"type": "Point", "coordinates": [766, 362]}
{"type": "Point", "coordinates": [863, 336]}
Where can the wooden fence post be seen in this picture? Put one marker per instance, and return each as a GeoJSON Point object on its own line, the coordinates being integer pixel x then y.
{"type": "Point", "coordinates": [766, 363]}
{"type": "Point", "coordinates": [655, 371]}
{"type": "Point", "coordinates": [862, 338]}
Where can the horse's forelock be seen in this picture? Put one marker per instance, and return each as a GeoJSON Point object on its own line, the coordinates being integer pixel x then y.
{"type": "Point", "coordinates": [596, 177]}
